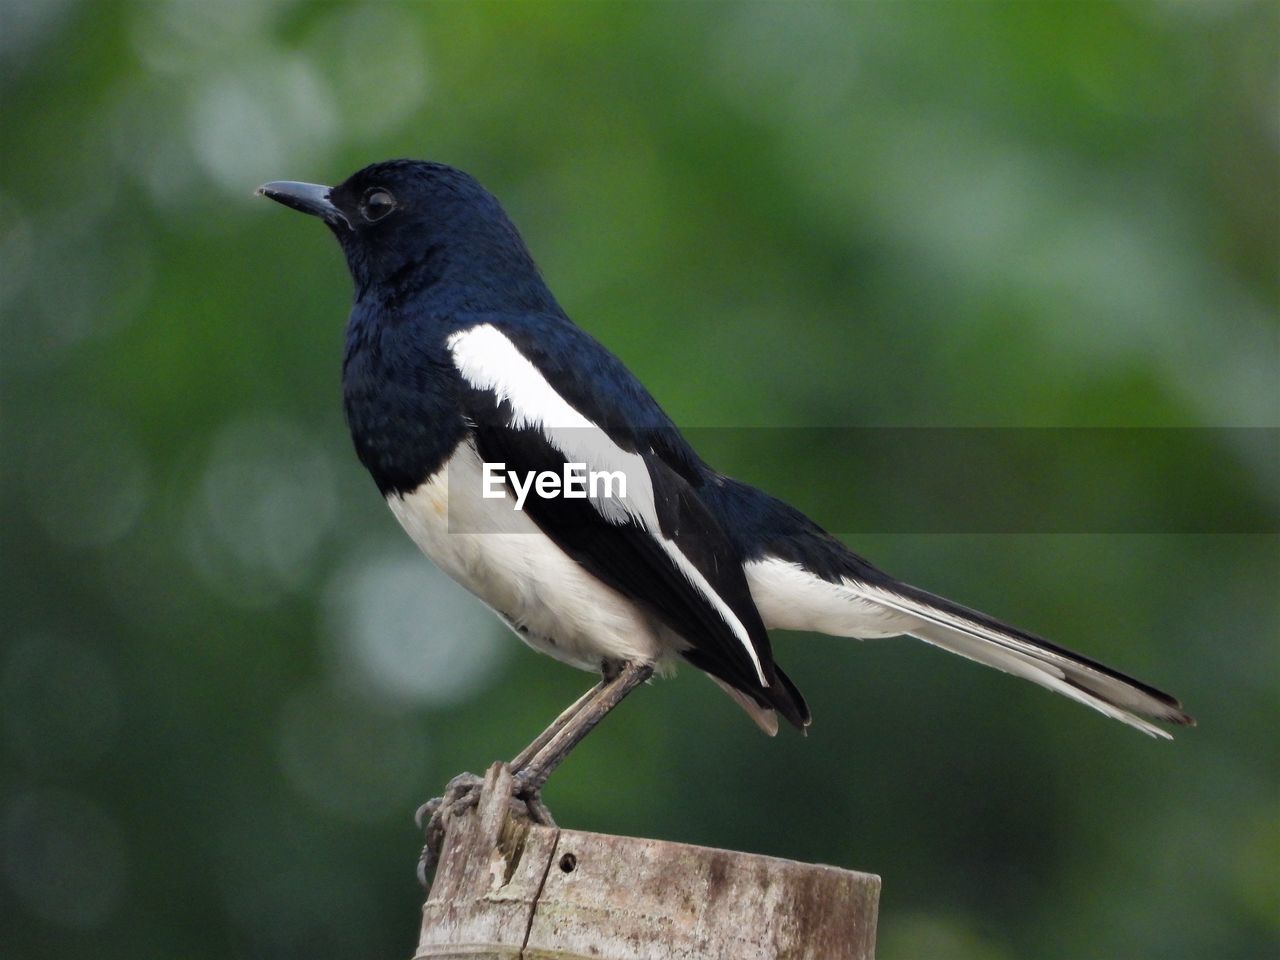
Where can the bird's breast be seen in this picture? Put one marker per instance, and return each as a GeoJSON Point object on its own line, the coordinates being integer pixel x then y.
{"type": "Point", "coordinates": [400, 395]}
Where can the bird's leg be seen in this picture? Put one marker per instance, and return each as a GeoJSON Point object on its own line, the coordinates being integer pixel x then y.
{"type": "Point", "coordinates": [524, 756]}
{"type": "Point", "coordinates": [533, 774]}
{"type": "Point", "coordinates": [463, 791]}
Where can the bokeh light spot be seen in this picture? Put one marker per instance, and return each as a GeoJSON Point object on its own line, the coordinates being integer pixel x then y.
{"type": "Point", "coordinates": [79, 287]}
{"type": "Point", "coordinates": [63, 856]}
{"type": "Point", "coordinates": [87, 482]}
{"type": "Point", "coordinates": [28, 23]}
{"type": "Point", "coordinates": [408, 631]}
{"type": "Point", "coordinates": [349, 757]}
{"type": "Point", "coordinates": [265, 505]}
{"type": "Point", "coordinates": [376, 64]}
{"type": "Point", "coordinates": [271, 116]}
{"type": "Point", "coordinates": [60, 703]}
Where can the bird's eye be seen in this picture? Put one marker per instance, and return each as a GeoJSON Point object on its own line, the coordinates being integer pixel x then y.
{"type": "Point", "coordinates": [377, 203]}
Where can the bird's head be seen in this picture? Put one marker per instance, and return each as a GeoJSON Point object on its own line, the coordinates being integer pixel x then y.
{"type": "Point", "coordinates": [409, 225]}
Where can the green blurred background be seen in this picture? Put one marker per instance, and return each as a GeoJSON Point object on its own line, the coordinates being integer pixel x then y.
{"type": "Point", "coordinates": [227, 679]}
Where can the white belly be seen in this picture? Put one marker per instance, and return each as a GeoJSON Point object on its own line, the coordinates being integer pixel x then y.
{"type": "Point", "coordinates": [500, 555]}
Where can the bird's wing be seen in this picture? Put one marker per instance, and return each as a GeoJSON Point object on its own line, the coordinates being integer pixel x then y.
{"type": "Point", "coordinates": [802, 578]}
{"type": "Point", "coordinates": [543, 397]}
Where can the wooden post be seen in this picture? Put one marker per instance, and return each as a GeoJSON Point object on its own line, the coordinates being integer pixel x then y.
{"type": "Point", "coordinates": [505, 889]}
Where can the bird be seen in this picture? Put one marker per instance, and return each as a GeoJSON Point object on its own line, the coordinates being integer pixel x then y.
{"type": "Point", "coordinates": [481, 411]}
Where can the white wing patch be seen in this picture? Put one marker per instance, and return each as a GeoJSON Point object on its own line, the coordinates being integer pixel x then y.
{"type": "Point", "coordinates": [488, 360]}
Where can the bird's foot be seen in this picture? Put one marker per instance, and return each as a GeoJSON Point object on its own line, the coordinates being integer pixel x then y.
{"type": "Point", "coordinates": [528, 801]}
{"type": "Point", "coordinates": [461, 795]}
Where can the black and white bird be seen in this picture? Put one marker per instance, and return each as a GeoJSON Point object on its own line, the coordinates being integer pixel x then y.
{"type": "Point", "coordinates": [464, 379]}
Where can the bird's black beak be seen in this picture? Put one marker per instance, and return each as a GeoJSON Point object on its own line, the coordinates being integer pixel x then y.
{"type": "Point", "coordinates": [312, 198]}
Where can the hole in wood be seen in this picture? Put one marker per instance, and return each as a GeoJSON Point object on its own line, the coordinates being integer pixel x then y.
{"type": "Point", "coordinates": [568, 863]}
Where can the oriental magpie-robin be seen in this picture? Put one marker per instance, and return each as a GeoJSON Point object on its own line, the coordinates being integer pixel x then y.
{"type": "Point", "coordinates": [458, 359]}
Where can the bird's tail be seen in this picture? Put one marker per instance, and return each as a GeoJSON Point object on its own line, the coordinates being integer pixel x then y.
{"type": "Point", "coordinates": [803, 578]}
{"type": "Point", "coordinates": [979, 637]}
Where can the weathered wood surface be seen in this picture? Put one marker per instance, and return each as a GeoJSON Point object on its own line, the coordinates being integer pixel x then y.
{"type": "Point", "coordinates": [505, 889]}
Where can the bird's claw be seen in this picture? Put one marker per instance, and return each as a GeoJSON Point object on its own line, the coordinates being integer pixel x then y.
{"type": "Point", "coordinates": [461, 794]}
{"type": "Point", "coordinates": [531, 805]}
